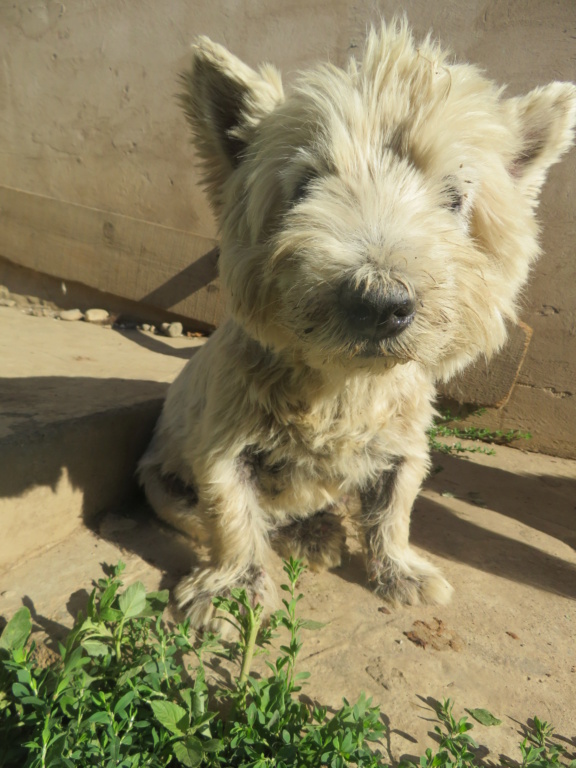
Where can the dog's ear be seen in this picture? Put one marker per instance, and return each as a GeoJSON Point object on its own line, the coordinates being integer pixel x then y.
{"type": "Point", "coordinates": [224, 100]}
{"type": "Point", "coordinates": [544, 120]}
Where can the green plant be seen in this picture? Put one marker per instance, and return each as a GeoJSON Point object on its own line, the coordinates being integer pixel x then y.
{"type": "Point", "coordinates": [457, 749]}
{"type": "Point", "coordinates": [455, 743]}
{"type": "Point", "coordinates": [268, 723]}
{"type": "Point", "coordinates": [443, 427]}
{"type": "Point", "coordinates": [116, 696]}
{"type": "Point", "coordinates": [539, 750]}
{"type": "Point", "coordinates": [119, 695]}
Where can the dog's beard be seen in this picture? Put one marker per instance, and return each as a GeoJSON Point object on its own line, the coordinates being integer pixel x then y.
{"type": "Point", "coordinates": [329, 346]}
{"type": "Point", "coordinates": [324, 351]}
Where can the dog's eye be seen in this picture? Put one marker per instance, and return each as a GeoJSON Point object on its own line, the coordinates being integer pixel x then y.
{"type": "Point", "coordinates": [302, 187]}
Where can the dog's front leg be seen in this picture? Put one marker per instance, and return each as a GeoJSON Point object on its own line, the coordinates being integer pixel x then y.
{"type": "Point", "coordinates": [239, 548]}
{"type": "Point", "coordinates": [397, 573]}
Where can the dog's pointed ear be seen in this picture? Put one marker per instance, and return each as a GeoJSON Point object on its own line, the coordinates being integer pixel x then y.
{"type": "Point", "coordinates": [544, 120]}
{"type": "Point", "coordinates": [224, 100]}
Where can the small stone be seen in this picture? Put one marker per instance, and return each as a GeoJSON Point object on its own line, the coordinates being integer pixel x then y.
{"type": "Point", "coordinates": [146, 327]}
{"type": "Point", "coordinates": [7, 303]}
{"type": "Point", "coordinates": [96, 316]}
{"type": "Point", "coordinates": [173, 330]}
{"type": "Point", "coordinates": [71, 314]}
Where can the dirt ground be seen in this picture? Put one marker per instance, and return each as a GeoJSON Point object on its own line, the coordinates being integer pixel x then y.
{"type": "Point", "coordinates": [503, 529]}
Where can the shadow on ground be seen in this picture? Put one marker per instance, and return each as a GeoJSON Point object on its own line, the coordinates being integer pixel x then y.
{"type": "Point", "coordinates": [156, 345]}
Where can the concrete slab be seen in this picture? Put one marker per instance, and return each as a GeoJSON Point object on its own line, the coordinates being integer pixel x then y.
{"type": "Point", "coordinates": [78, 403]}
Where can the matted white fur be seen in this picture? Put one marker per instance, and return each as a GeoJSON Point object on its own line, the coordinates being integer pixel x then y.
{"type": "Point", "coordinates": [377, 226]}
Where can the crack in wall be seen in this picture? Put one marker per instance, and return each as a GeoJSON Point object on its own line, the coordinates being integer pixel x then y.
{"type": "Point", "coordinates": [561, 394]}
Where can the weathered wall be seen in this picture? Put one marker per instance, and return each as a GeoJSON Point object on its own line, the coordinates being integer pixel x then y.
{"type": "Point", "coordinates": [87, 116]}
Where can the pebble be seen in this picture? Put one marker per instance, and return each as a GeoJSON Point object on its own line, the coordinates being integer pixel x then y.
{"type": "Point", "coordinates": [71, 314]}
{"type": "Point", "coordinates": [96, 315]}
{"type": "Point", "coordinates": [7, 303]}
{"type": "Point", "coordinates": [39, 312]}
{"type": "Point", "coordinates": [172, 329]}
{"type": "Point", "coordinates": [146, 327]}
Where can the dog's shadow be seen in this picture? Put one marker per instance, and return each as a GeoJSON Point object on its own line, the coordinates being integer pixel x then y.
{"type": "Point", "coordinates": [136, 528]}
{"type": "Point", "coordinates": [541, 503]}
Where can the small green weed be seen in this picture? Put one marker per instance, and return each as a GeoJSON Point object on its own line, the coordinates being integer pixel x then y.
{"type": "Point", "coordinates": [457, 749]}
{"type": "Point", "coordinates": [443, 427]}
{"type": "Point", "coordinates": [120, 695]}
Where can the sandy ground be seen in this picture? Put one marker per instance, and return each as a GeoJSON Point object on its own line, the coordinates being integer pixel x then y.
{"type": "Point", "coordinates": [502, 528]}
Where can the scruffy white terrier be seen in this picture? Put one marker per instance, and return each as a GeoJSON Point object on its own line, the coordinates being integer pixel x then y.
{"type": "Point", "coordinates": [377, 225]}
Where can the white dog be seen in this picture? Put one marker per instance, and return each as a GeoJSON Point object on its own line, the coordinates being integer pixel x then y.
{"type": "Point", "coordinates": [377, 226]}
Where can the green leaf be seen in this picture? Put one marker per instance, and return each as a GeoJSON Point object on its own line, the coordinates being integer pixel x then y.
{"type": "Point", "coordinates": [110, 614]}
{"type": "Point", "coordinates": [133, 600]}
{"type": "Point", "coordinates": [99, 717]}
{"type": "Point", "coordinates": [189, 752]}
{"type": "Point", "coordinates": [172, 716]}
{"type": "Point", "coordinates": [122, 703]}
{"type": "Point", "coordinates": [23, 675]}
{"type": "Point", "coordinates": [19, 690]}
{"type": "Point", "coordinates": [17, 631]}
{"type": "Point", "coordinates": [484, 717]}
{"type": "Point", "coordinates": [34, 701]}
{"type": "Point", "coordinates": [75, 660]}
{"type": "Point", "coordinates": [67, 704]}
{"type": "Point", "coordinates": [128, 675]}
{"type": "Point", "coordinates": [95, 648]}
{"type": "Point", "coordinates": [309, 624]}
{"type": "Point", "coordinates": [158, 600]}
{"type": "Point", "coordinates": [212, 745]}
{"type": "Point", "coordinates": [347, 742]}
{"type": "Point", "coordinates": [108, 595]}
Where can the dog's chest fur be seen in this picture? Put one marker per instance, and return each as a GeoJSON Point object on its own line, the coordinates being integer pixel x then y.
{"type": "Point", "coordinates": [307, 457]}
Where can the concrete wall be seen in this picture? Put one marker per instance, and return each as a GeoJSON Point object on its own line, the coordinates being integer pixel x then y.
{"type": "Point", "coordinates": [87, 116]}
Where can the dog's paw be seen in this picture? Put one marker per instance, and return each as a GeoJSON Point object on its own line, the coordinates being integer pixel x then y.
{"type": "Point", "coordinates": [318, 540]}
{"type": "Point", "coordinates": [408, 580]}
{"type": "Point", "coordinates": [195, 594]}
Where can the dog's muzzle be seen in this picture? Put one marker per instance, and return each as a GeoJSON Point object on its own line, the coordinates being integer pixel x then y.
{"type": "Point", "coordinates": [374, 315]}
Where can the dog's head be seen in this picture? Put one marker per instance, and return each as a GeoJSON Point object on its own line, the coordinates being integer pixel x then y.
{"type": "Point", "coordinates": [378, 214]}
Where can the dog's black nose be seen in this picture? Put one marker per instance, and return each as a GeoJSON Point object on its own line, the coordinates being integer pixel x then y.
{"type": "Point", "coordinates": [377, 315]}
